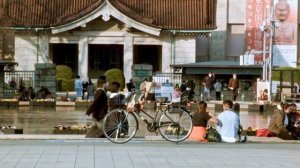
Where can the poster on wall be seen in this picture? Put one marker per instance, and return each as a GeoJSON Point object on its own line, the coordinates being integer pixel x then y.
{"type": "Point", "coordinates": [285, 36]}
{"type": "Point", "coordinates": [261, 87]}
{"type": "Point", "coordinates": [254, 19]}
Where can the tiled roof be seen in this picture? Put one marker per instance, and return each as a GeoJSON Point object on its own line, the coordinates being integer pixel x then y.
{"type": "Point", "coordinates": [166, 14]}
{"type": "Point", "coordinates": [44, 13]}
{"type": "Point", "coordinates": [171, 14]}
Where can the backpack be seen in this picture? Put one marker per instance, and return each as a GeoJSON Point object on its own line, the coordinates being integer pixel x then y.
{"type": "Point", "coordinates": [212, 135]}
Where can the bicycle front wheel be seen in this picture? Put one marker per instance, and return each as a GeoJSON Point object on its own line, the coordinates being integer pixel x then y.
{"type": "Point", "coordinates": [175, 126]}
{"type": "Point", "coordinates": [119, 126]}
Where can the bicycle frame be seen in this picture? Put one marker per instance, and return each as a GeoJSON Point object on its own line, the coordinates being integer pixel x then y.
{"type": "Point", "coordinates": [154, 119]}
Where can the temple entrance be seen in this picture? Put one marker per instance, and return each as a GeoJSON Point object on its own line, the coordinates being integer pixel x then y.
{"type": "Point", "coordinates": [148, 54]}
{"type": "Point", "coordinates": [103, 58]}
{"type": "Point", "coordinates": [65, 54]}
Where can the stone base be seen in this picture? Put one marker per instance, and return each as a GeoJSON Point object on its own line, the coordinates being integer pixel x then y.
{"type": "Point", "coordinates": [42, 103]}
{"type": "Point", "coordinates": [83, 105]}
{"type": "Point", "coordinates": [9, 104]}
{"type": "Point", "coordinates": [12, 131]}
{"type": "Point", "coordinates": [255, 108]}
{"type": "Point", "coordinates": [56, 131]}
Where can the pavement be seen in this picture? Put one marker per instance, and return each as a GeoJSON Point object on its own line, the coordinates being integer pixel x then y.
{"type": "Point", "coordinates": [250, 139]}
{"type": "Point", "coordinates": [99, 153]}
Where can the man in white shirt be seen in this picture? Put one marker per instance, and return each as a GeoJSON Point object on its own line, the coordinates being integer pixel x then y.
{"type": "Point", "coordinates": [228, 123]}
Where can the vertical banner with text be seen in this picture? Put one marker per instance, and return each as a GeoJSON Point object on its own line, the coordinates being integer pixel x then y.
{"type": "Point", "coordinates": [254, 19]}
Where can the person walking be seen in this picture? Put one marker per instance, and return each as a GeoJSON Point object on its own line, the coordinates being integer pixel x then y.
{"type": "Point", "coordinates": [130, 86]}
{"type": "Point", "coordinates": [176, 94]}
{"type": "Point", "coordinates": [99, 108]}
{"type": "Point", "coordinates": [150, 90]}
{"type": "Point", "coordinates": [218, 89]}
{"type": "Point", "coordinates": [234, 86]}
{"type": "Point", "coordinates": [143, 90]}
{"type": "Point", "coordinates": [78, 88]}
{"type": "Point", "coordinates": [183, 86]}
{"type": "Point", "coordinates": [228, 123]}
{"type": "Point", "coordinates": [209, 81]}
{"type": "Point", "coordinates": [90, 90]}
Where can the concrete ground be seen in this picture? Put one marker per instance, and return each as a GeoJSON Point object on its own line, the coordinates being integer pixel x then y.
{"type": "Point", "coordinates": [94, 153]}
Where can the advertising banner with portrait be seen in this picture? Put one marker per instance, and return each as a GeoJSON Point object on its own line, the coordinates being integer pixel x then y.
{"type": "Point", "coordinates": [261, 88]}
{"type": "Point", "coordinates": [285, 37]}
{"type": "Point", "coordinates": [254, 19]}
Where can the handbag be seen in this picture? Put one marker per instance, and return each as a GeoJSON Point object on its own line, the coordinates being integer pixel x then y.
{"type": "Point", "coordinates": [212, 135]}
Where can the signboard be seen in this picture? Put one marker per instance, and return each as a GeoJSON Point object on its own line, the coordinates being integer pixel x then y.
{"type": "Point", "coordinates": [285, 34]}
{"type": "Point", "coordinates": [254, 19]}
{"type": "Point", "coordinates": [165, 90]}
{"type": "Point", "coordinates": [247, 59]}
{"type": "Point", "coordinates": [141, 73]}
{"type": "Point", "coordinates": [285, 37]}
{"type": "Point", "coordinates": [261, 86]}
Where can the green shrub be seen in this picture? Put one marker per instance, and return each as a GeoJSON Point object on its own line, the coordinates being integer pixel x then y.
{"type": "Point", "coordinates": [68, 85]}
{"type": "Point", "coordinates": [115, 75]}
{"type": "Point", "coordinates": [286, 75]}
{"type": "Point", "coordinates": [64, 77]}
{"type": "Point", "coordinates": [63, 72]}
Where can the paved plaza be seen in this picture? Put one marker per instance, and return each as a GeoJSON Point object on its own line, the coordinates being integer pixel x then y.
{"type": "Point", "coordinates": [140, 153]}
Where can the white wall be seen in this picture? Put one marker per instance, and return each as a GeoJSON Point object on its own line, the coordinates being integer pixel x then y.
{"type": "Point", "coordinates": [236, 11]}
{"type": "Point", "coordinates": [185, 49]}
{"type": "Point", "coordinates": [26, 51]}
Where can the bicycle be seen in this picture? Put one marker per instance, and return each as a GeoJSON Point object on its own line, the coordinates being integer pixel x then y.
{"type": "Point", "coordinates": [173, 122]}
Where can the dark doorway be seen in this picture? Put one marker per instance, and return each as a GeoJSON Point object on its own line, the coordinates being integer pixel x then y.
{"type": "Point", "coordinates": [104, 57]}
{"type": "Point", "coordinates": [65, 54]}
{"type": "Point", "coordinates": [148, 54]}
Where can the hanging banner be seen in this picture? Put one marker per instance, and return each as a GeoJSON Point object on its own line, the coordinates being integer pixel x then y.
{"type": "Point", "coordinates": [285, 37]}
{"type": "Point", "coordinates": [254, 19]}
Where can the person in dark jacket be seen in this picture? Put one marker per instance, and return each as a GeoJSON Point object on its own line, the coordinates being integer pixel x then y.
{"type": "Point", "coordinates": [130, 86]}
{"type": "Point", "coordinates": [234, 86]}
{"type": "Point", "coordinates": [99, 107]}
{"type": "Point", "coordinates": [90, 90]}
{"type": "Point", "coordinates": [208, 82]}
{"type": "Point", "coordinates": [279, 122]}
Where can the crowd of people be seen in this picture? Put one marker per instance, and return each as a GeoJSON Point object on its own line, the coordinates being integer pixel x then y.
{"type": "Point", "coordinates": [227, 123]}
{"type": "Point", "coordinates": [212, 86]}
{"type": "Point", "coordinates": [28, 93]}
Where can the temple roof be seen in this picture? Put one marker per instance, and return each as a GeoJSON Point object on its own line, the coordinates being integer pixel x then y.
{"type": "Point", "coordinates": [164, 14]}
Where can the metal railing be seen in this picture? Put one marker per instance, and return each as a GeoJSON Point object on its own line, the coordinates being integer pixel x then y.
{"type": "Point", "coordinates": [12, 80]}
{"type": "Point", "coordinates": [167, 78]}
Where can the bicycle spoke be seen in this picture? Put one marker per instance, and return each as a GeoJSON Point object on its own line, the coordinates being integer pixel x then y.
{"type": "Point", "coordinates": [119, 126]}
{"type": "Point", "coordinates": [175, 127]}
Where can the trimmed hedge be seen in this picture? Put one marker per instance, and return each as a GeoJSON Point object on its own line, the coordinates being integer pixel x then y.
{"type": "Point", "coordinates": [286, 75]}
{"type": "Point", "coordinates": [65, 84]}
{"type": "Point", "coordinates": [64, 78]}
{"type": "Point", "coordinates": [63, 72]}
{"type": "Point", "coordinates": [115, 75]}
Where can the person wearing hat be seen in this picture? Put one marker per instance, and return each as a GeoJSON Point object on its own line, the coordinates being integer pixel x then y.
{"type": "Point", "coordinates": [99, 107]}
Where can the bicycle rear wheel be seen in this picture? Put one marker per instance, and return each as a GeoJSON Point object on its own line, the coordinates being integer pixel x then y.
{"type": "Point", "coordinates": [175, 126]}
{"type": "Point", "coordinates": [119, 126]}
